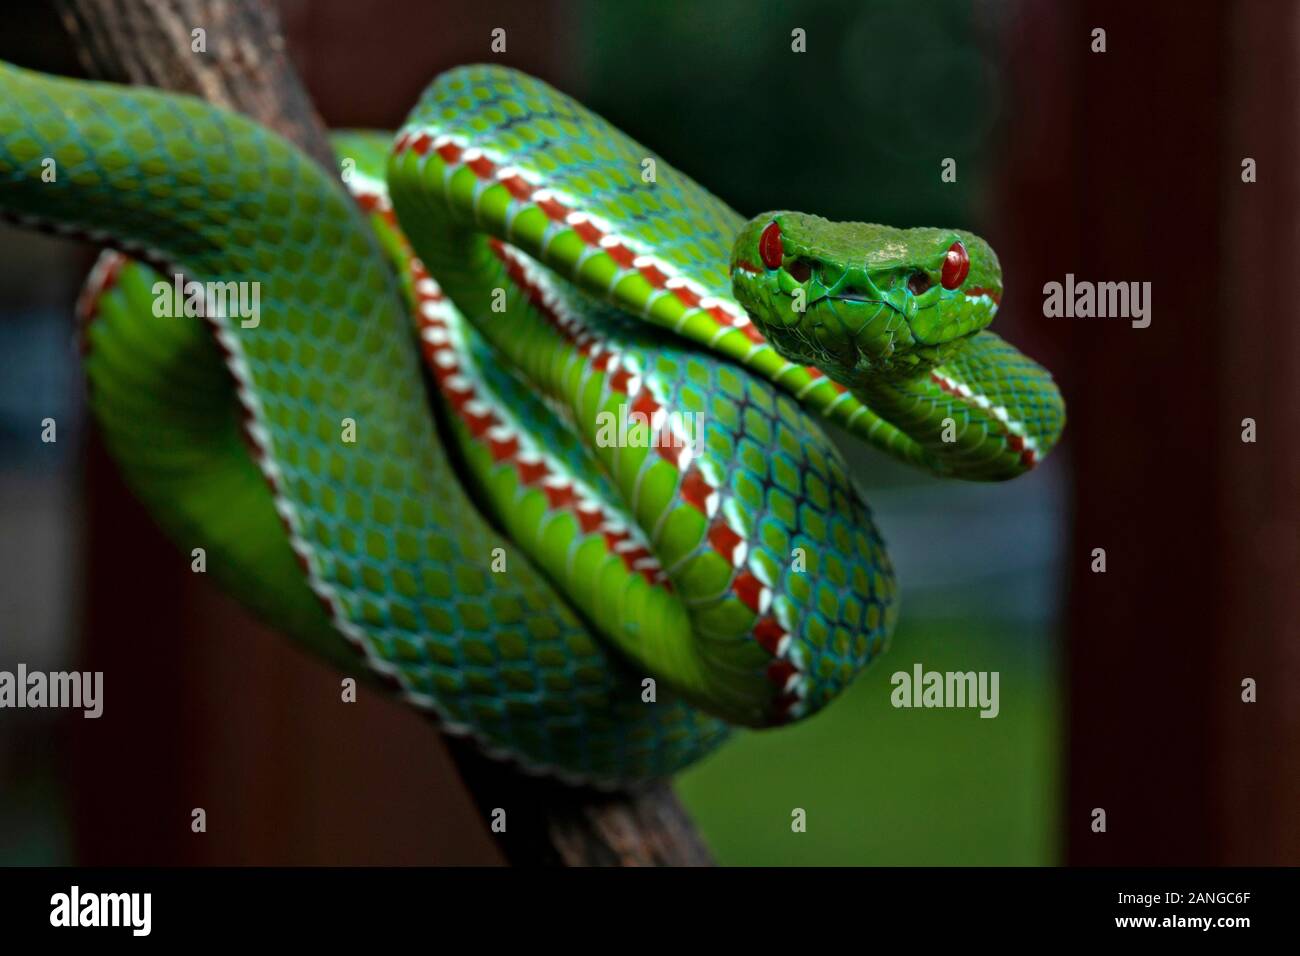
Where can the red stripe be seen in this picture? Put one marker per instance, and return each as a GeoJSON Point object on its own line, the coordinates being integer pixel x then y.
{"type": "Point", "coordinates": [654, 275]}
{"type": "Point", "coordinates": [779, 672]}
{"type": "Point", "coordinates": [620, 254]}
{"type": "Point", "coordinates": [519, 187]}
{"type": "Point", "coordinates": [748, 588]}
{"type": "Point", "coordinates": [620, 379]}
{"type": "Point", "coordinates": [991, 293]}
{"type": "Point", "coordinates": [531, 472]}
{"type": "Point", "coordinates": [553, 208]}
{"type": "Point", "coordinates": [559, 496]}
{"type": "Point", "coordinates": [723, 539]}
{"type": "Point", "coordinates": [479, 423]}
{"type": "Point", "coordinates": [482, 166]}
{"type": "Point", "coordinates": [645, 404]}
{"type": "Point", "coordinates": [687, 297]}
{"type": "Point", "coordinates": [589, 232]}
{"type": "Point", "coordinates": [589, 518]}
{"type": "Point", "coordinates": [722, 316]}
{"type": "Point", "coordinates": [502, 450]}
{"type": "Point", "coordinates": [696, 490]}
{"type": "Point", "coordinates": [769, 634]}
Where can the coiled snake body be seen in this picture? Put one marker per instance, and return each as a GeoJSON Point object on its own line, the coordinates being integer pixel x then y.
{"type": "Point", "coordinates": [636, 533]}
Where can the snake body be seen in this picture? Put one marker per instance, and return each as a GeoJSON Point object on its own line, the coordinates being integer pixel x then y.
{"type": "Point", "coordinates": [636, 533]}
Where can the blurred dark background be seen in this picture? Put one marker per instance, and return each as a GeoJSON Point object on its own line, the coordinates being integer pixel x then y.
{"type": "Point", "coordinates": [1120, 691]}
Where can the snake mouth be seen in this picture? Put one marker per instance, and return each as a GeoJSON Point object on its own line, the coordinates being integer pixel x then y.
{"type": "Point", "coordinates": [877, 332]}
{"type": "Point", "coordinates": [858, 298]}
{"type": "Point", "coordinates": [832, 299]}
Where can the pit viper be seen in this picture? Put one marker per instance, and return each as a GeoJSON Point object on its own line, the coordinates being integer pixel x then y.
{"type": "Point", "coordinates": [525, 416]}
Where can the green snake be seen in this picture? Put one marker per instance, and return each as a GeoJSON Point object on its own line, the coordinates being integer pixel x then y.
{"type": "Point", "coordinates": [529, 419]}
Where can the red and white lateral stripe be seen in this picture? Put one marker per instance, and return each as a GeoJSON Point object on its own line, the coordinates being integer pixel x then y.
{"type": "Point", "coordinates": [598, 235]}
{"type": "Point", "coordinates": [527, 187]}
{"type": "Point", "coordinates": [1017, 436]}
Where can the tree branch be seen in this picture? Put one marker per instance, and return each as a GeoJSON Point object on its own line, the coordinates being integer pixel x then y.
{"type": "Point", "coordinates": [245, 68]}
{"type": "Point", "coordinates": [149, 42]}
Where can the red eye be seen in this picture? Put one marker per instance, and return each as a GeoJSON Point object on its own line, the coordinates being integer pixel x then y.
{"type": "Point", "coordinates": [769, 246]}
{"type": "Point", "coordinates": [956, 266]}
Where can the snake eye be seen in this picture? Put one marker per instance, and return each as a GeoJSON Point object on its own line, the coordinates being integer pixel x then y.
{"type": "Point", "coordinates": [918, 282]}
{"type": "Point", "coordinates": [800, 270]}
{"type": "Point", "coordinates": [769, 246]}
{"type": "Point", "coordinates": [956, 266]}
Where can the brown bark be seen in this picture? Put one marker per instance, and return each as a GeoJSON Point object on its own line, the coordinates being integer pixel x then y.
{"type": "Point", "coordinates": [245, 68]}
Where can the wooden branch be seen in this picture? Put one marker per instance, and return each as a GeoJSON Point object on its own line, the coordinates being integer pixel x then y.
{"type": "Point", "coordinates": [245, 68]}
{"type": "Point", "coordinates": [551, 824]}
{"type": "Point", "coordinates": [149, 42]}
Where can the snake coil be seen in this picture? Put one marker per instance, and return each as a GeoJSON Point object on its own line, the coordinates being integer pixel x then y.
{"type": "Point", "coordinates": [637, 533]}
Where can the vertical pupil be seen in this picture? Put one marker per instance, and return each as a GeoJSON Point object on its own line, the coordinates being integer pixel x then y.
{"type": "Point", "coordinates": [956, 266]}
{"type": "Point", "coordinates": [769, 246]}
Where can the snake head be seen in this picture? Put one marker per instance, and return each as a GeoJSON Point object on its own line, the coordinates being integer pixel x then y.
{"type": "Point", "coordinates": [858, 300]}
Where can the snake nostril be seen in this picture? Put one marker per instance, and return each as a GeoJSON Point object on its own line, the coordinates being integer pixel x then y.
{"type": "Point", "coordinates": [918, 283]}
